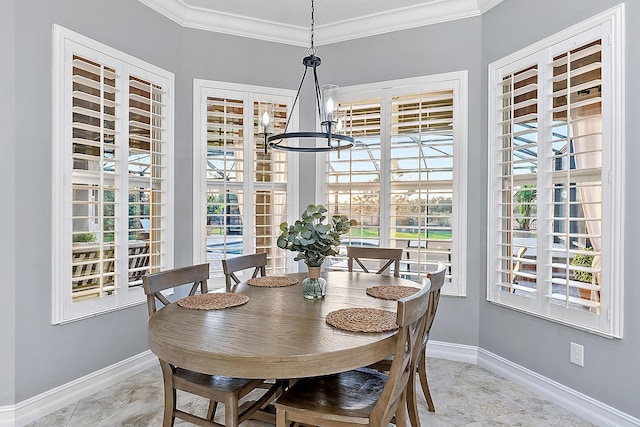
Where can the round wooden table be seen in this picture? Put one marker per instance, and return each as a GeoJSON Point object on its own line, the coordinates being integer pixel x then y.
{"type": "Point", "coordinates": [277, 333]}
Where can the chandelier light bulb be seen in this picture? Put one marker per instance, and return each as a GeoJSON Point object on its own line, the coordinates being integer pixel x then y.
{"type": "Point", "coordinates": [330, 108]}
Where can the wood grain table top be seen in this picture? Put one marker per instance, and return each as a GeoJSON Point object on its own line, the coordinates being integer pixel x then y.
{"type": "Point", "coordinates": [277, 333]}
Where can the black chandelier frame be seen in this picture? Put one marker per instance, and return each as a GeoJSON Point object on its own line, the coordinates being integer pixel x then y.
{"type": "Point", "coordinates": [335, 141]}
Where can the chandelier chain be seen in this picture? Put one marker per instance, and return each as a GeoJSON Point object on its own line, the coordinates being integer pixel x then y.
{"type": "Point", "coordinates": [312, 49]}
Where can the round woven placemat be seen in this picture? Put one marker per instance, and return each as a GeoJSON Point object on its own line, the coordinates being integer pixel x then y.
{"type": "Point", "coordinates": [272, 281]}
{"type": "Point", "coordinates": [391, 291]}
{"type": "Point", "coordinates": [214, 301]}
{"type": "Point", "coordinates": [363, 320]}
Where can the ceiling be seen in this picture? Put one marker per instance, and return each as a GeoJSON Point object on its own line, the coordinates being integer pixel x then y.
{"type": "Point", "coordinates": [288, 21]}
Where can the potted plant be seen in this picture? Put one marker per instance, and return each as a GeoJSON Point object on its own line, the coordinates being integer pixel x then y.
{"type": "Point", "coordinates": [314, 238]}
{"type": "Point", "coordinates": [585, 260]}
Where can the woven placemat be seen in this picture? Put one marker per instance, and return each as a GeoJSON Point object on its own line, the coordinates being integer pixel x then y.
{"type": "Point", "coordinates": [363, 320]}
{"type": "Point", "coordinates": [214, 301]}
{"type": "Point", "coordinates": [391, 291]}
{"type": "Point", "coordinates": [272, 281]}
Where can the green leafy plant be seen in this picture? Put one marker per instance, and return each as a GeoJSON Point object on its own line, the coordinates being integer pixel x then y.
{"type": "Point", "coordinates": [84, 238]}
{"type": "Point", "coordinates": [583, 260]}
{"type": "Point", "coordinates": [526, 197]}
{"type": "Point", "coordinates": [312, 236]}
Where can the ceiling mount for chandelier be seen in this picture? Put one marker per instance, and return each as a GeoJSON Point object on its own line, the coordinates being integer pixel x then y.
{"type": "Point", "coordinates": [332, 121]}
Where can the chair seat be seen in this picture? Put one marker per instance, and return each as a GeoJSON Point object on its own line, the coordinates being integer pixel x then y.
{"type": "Point", "coordinates": [346, 396]}
{"type": "Point", "coordinates": [213, 385]}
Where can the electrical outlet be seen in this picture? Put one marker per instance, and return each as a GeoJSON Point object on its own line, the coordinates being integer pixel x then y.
{"type": "Point", "coordinates": [577, 354]}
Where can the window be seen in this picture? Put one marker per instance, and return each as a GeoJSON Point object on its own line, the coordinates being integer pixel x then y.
{"type": "Point", "coordinates": [556, 171]}
{"type": "Point", "coordinates": [112, 154]}
{"type": "Point", "coordinates": [405, 179]}
{"type": "Point", "coordinates": [242, 195]}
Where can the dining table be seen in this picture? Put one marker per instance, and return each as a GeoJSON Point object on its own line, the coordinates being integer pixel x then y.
{"type": "Point", "coordinates": [277, 333]}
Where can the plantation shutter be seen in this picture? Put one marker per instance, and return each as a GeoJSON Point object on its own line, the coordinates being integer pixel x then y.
{"type": "Point", "coordinates": [147, 178]}
{"type": "Point", "coordinates": [555, 167]}
{"type": "Point", "coordinates": [353, 181]}
{"type": "Point", "coordinates": [518, 151]}
{"type": "Point", "coordinates": [270, 194]}
{"type": "Point", "coordinates": [576, 177]}
{"type": "Point", "coordinates": [95, 141]}
{"type": "Point", "coordinates": [225, 177]}
{"type": "Point", "coordinates": [246, 188]}
{"type": "Point", "coordinates": [422, 179]}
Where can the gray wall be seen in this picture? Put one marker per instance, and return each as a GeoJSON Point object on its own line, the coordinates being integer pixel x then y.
{"type": "Point", "coordinates": [7, 212]}
{"type": "Point", "coordinates": [47, 356]}
{"type": "Point", "coordinates": [611, 370]}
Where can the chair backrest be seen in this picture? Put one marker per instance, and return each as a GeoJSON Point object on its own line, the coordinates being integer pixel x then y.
{"type": "Point", "coordinates": [391, 255]}
{"type": "Point", "coordinates": [436, 278]}
{"type": "Point", "coordinates": [156, 282]}
{"type": "Point", "coordinates": [232, 265]}
{"type": "Point", "coordinates": [411, 316]}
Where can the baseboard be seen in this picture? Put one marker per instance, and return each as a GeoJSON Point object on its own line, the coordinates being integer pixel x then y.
{"type": "Point", "coordinates": [451, 351]}
{"type": "Point", "coordinates": [38, 406]}
{"type": "Point", "coordinates": [584, 406]}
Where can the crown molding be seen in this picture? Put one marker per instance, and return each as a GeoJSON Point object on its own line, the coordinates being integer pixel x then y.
{"type": "Point", "coordinates": [427, 13]}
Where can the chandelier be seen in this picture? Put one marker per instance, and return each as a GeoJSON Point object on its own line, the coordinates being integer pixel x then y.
{"type": "Point", "coordinates": [332, 122]}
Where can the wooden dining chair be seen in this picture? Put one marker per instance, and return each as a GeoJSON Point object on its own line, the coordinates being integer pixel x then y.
{"type": "Point", "coordinates": [231, 266]}
{"type": "Point", "coordinates": [436, 279]}
{"type": "Point", "coordinates": [362, 397]}
{"type": "Point", "coordinates": [359, 253]}
{"type": "Point", "coordinates": [213, 387]}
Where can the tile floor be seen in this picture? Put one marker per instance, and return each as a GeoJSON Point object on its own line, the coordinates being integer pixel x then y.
{"type": "Point", "coordinates": [464, 395]}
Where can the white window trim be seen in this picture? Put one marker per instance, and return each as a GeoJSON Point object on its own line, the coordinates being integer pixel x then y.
{"type": "Point", "coordinates": [613, 166]}
{"type": "Point", "coordinates": [458, 81]}
{"type": "Point", "coordinates": [61, 252]}
{"type": "Point", "coordinates": [201, 90]}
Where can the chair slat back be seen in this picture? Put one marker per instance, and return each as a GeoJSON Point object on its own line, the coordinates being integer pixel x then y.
{"type": "Point", "coordinates": [437, 278]}
{"type": "Point", "coordinates": [411, 318]}
{"type": "Point", "coordinates": [391, 255]}
{"type": "Point", "coordinates": [232, 265]}
{"type": "Point", "coordinates": [155, 283]}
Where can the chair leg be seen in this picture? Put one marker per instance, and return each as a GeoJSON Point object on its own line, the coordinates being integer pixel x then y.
{"type": "Point", "coordinates": [168, 417]}
{"type": "Point", "coordinates": [211, 410]}
{"type": "Point", "coordinates": [422, 372]}
{"type": "Point", "coordinates": [401, 412]}
{"type": "Point", "coordinates": [231, 411]}
{"type": "Point", "coordinates": [281, 418]}
{"type": "Point", "coordinates": [412, 402]}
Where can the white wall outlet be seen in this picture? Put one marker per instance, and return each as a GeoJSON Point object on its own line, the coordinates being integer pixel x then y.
{"type": "Point", "coordinates": [577, 354]}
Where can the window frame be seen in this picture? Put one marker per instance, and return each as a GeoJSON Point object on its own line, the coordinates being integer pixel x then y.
{"type": "Point", "coordinates": [202, 89]}
{"type": "Point", "coordinates": [456, 81]}
{"type": "Point", "coordinates": [610, 26]}
{"type": "Point", "coordinates": [65, 44]}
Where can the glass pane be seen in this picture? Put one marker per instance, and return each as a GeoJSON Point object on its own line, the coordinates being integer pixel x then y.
{"type": "Point", "coordinates": [270, 212]}
{"type": "Point", "coordinates": [93, 263]}
{"type": "Point", "coordinates": [224, 227]}
{"type": "Point", "coordinates": [270, 167]}
{"type": "Point", "coordinates": [225, 138]}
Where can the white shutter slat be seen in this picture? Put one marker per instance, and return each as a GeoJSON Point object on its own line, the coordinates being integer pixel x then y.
{"type": "Point", "coordinates": [92, 98]}
{"type": "Point", "coordinates": [82, 64]}
{"type": "Point", "coordinates": [583, 53]}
